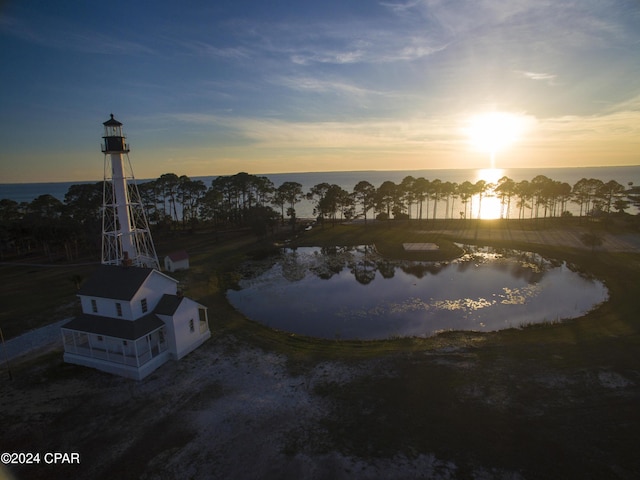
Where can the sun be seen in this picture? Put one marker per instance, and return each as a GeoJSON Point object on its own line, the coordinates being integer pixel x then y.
{"type": "Point", "coordinates": [492, 132]}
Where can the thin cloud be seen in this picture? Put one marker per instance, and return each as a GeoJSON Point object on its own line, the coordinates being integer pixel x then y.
{"type": "Point", "coordinates": [205, 49]}
{"type": "Point", "coordinates": [606, 128]}
{"type": "Point", "coordinates": [345, 42]}
{"type": "Point", "coordinates": [538, 76]}
{"type": "Point", "coordinates": [328, 56]}
{"type": "Point", "coordinates": [630, 105]}
{"type": "Point", "coordinates": [63, 36]}
{"type": "Point", "coordinates": [311, 84]}
{"type": "Point", "coordinates": [400, 7]}
{"type": "Point", "coordinates": [362, 133]}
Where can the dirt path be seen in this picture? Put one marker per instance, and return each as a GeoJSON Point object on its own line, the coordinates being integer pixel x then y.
{"type": "Point", "coordinates": [39, 338]}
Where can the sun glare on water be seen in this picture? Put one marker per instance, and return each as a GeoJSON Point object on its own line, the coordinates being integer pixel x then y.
{"type": "Point", "coordinates": [491, 207]}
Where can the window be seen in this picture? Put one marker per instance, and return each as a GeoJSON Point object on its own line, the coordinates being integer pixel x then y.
{"type": "Point", "coordinates": [119, 309]}
{"type": "Point", "coordinates": [191, 327]}
{"type": "Point", "coordinates": [203, 320]}
{"type": "Point", "coordinates": [124, 342]}
{"type": "Point", "coordinates": [94, 305]}
{"type": "Point", "coordinates": [99, 338]}
{"type": "Point", "coordinates": [144, 305]}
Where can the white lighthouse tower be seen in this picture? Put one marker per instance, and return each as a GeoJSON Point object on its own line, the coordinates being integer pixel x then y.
{"type": "Point", "coordinates": [126, 238]}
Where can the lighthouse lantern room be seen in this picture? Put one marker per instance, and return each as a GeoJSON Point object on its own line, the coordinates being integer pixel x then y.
{"type": "Point", "coordinates": [113, 137]}
{"type": "Point", "coordinates": [126, 238]}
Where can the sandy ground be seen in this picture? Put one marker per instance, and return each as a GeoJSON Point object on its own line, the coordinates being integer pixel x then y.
{"type": "Point", "coordinates": [225, 411]}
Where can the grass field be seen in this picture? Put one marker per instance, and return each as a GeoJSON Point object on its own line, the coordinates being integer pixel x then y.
{"type": "Point", "coordinates": [546, 401]}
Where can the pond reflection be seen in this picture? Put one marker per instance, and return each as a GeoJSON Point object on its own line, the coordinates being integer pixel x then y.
{"type": "Point", "coordinates": [354, 293]}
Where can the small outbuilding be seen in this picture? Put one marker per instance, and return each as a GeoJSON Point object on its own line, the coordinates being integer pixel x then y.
{"type": "Point", "coordinates": [176, 261]}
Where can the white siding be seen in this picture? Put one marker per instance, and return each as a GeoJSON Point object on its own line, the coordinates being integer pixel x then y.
{"type": "Point", "coordinates": [180, 337]}
{"type": "Point", "coordinates": [107, 307]}
{"type": "Point", "coordinates": [156, 285]}
{"type": "Point", "coordinates": [172, 266]}
{"type": "Point", "coordinates": [187, 340]}
{"type": "Point", "coordinates": [135, 373]}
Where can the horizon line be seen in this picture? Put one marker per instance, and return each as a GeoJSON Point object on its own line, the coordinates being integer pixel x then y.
{"type": "Point", "coordinates": [338, 171]}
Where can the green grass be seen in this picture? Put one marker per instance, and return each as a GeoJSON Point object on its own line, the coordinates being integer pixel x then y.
{"type": "Point", "coordinates": [35, 296]}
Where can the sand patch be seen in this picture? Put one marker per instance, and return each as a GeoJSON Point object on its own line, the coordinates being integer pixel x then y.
{"type": "Point", "coordinates": [420, 247]}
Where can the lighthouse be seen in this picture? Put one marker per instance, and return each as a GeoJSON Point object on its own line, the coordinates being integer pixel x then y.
{"type": "Point", "coordinates": [126, 238]}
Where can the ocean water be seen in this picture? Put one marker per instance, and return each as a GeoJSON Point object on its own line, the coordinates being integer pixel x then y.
{"type": "Point", "coordinates": [26, 192]}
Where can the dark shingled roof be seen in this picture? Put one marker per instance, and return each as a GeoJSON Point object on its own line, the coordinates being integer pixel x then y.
{"type": "Point", "coordinates": [115, 327]}
{"type": "Point", "coordinates": [118, 283]}
{"type": "Point", "coordinates": [168, 304]}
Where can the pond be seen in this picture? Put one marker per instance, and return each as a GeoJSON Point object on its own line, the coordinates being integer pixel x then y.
{"type": "Point", "coordinates": [354, 293]}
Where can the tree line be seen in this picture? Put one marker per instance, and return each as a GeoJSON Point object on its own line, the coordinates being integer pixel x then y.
{"type": "Point", "coordinates": [63, 228]}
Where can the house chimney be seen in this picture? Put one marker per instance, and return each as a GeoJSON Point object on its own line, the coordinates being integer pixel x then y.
{"type": "Point", "coordinates": [126, 261]}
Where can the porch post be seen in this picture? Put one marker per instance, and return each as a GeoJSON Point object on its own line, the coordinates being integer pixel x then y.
{"type": "Point", "coordinates": [135, 347]}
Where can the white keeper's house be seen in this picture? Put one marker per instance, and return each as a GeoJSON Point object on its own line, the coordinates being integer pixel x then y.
{"type": "Point", "coordinates": [134, 318]}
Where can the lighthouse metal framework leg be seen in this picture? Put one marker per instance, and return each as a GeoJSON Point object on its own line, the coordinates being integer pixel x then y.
{"type": "Point", "coordinates": [126, 237]}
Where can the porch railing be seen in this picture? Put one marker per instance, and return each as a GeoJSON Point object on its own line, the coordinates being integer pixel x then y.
{"type": "Point", "coordinates": [115, 356]}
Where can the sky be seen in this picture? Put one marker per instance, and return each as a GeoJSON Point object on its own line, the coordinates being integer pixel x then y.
{"type": "Point", "coordinates": [215, 88]}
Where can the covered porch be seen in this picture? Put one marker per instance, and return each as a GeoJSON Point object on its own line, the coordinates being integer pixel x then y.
{"type": "Point", "coordinates": [129, 348]}
{"type": "Point", "coordinates": [113, 349]}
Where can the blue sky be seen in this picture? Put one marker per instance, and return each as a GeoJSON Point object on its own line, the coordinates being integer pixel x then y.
{"type": "Point", "coordinates": [206, 88]}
